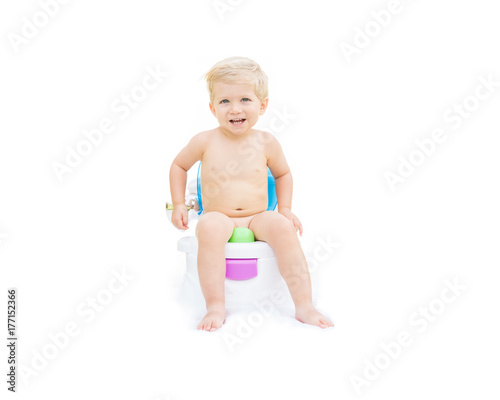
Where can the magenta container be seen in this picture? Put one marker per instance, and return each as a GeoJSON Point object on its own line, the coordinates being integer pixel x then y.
{"type": "Point", "coordinates": [241, 268]}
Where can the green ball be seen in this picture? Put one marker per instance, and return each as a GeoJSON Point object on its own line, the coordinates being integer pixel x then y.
{"type": "Point", "coordinates": [242, 235]}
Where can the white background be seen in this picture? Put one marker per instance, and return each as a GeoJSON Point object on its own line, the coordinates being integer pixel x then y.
{"type": "Point", "coordinates": [60, 241]}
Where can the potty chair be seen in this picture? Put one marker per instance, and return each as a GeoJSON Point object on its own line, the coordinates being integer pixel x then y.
{"type": "Point", "coordinates": [252, 273]}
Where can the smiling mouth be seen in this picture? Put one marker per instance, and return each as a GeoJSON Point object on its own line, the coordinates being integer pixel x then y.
{"type": "Point", "coordinates": [237, 122]}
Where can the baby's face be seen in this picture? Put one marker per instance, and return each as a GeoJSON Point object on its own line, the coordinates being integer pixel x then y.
{"type": "Point", "coordinates": [236, 107]}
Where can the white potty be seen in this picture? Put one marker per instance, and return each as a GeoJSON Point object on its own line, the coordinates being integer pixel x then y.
{"type": "Point", "coordinates": [244, 291]}
{"type": "Point", "coordinates": [241, 292]}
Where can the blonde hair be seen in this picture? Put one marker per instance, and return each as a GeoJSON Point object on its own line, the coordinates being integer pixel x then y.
{"type": "Point", "coordinates": [238, 70]}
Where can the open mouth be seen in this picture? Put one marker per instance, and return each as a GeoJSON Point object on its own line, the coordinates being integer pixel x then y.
{"type": "Point", "coordinates": [237, 122]}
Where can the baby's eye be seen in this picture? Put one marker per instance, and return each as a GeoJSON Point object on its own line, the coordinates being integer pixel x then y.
{"type": "Point", "coordinates": [246, 99]}
{"type": "Point", "coordinates": [225, 100]}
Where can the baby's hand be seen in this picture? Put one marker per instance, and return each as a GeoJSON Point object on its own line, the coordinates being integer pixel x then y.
{"type": "Point", "coordinates": [292, 217]}
{"type": "Point", "coordinates": [180, 217]}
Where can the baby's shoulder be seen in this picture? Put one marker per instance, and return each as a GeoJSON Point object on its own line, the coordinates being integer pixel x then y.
{"type": "Point", "coordinates": [204, 134]}
{"type": "Point", "coordinates": [267, 140]}
{"type": "Point", "coordinates": [264, 136]}
{"type": "Point", "coordinates": [202, 138]}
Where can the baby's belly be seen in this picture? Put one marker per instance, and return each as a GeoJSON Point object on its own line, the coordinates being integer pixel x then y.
{"type": "Point", "coordinates": [236, 198]}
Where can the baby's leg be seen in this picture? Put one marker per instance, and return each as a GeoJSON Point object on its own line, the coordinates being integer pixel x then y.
{"type": "Point", "coordinates": [280, 234]}
{"type": "Point", "coordinates": [213, 231]}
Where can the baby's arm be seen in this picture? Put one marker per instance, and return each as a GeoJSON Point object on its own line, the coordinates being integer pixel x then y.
{"type": "Point", "coordinates": [178, 176]}
{"type": "Point", "coordinates": [283, 180]}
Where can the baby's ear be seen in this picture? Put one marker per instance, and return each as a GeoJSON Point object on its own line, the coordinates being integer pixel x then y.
{"type": "Point", "coordinates": [263, 105]}
{"type": "Point", "coordinates": [212, 108]}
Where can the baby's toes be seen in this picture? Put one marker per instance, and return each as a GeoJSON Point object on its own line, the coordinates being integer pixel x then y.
{"type": "Point", "coordinates": [325, 322]}
{"type": "Point", "coordinates": [203, 325]}
{"type": "Point", "coordinates": [212, 321]}
{"type": "Point", "coordinates": [215, 324]}
{"type": "Point", "coordinates": [321, 324]}
{"type": "Point", "coordinates": [208, 326]}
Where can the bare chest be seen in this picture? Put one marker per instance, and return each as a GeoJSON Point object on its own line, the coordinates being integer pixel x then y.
{"type": "Point", "coordinates": [239, 161]}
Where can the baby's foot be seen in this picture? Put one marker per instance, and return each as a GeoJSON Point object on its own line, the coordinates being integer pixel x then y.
{"type": "Point", "coordinates": [214, 319]}
{"type": "Point", "coordinates": [309, 315]}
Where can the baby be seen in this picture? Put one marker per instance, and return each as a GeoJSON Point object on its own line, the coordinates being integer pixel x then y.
{"type": "Point", "coordinates": [234, 161]}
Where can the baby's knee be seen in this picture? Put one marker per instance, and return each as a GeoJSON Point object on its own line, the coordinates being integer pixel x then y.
{"type": "Point", "coordinates": [214, 226]}
{"type": "Point", "coordinates": [280, 224]}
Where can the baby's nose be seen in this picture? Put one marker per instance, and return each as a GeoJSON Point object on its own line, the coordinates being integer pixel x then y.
{"type": "Point", "coordinates": [235, 108]}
